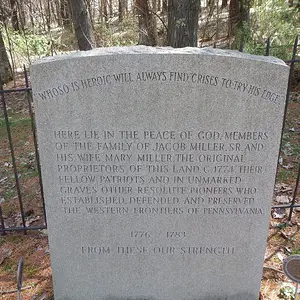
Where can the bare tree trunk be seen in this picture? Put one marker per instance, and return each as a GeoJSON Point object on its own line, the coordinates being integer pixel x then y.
{"type": "Point", "coordinates": [48, 16]}
{"type": "Point", "coordinates": [22, 17]}
{"type": "Point", "coordinates": [104, 10]}
{"type": "Point", "coordinates": [146, 36]}
{"type": "Point", "coordinates": [58, 13]}
{"type": "Point", "coordinates": [234, 17]}
{"type": "Point", "coordinates": [165, 6]}
{"type": "Point", "coordinates": [89, 8]}
{"type": "Point", "coordinates": [238, 14]}
{"type": "Point", "coordinates": [217, 24]}
{"type": "Point", "coordinates": [224, 4]}
{"type": "Point", "coordinates": [154, 21]}
{"type": "Point", "coordinates": [183, 23]}
{"type": "Point", "coordinates": [158, 5]}
{"type": "Point", "coordinates": [42, 14]}
{"type": "Point", "coordinates": [14, 15]}
{"type": "Point", "coordinates": [111, 11]}
{"type": "Point", "coordinates": [82, 25]}
{"type": "Point", "coordinates": [121, 10]}
{"type": "Point", "coordinates": [31, 14]}
{"type": "Point", "coordinates": [65, 13]}
{"type": "Point", "coordinates": [54, 12]}
{"type": "Point", "coordinates": [5, 68]}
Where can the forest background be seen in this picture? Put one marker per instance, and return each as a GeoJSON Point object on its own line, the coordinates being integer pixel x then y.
{"type": "Point", "coordinates": [35, 28]}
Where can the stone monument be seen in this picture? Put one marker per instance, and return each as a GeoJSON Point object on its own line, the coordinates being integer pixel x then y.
{"type": "Point", "coordinates": [158, 167]}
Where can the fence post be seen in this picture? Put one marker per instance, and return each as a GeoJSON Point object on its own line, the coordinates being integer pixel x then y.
{"type": "Point", "coordinates": [295, 194]}
{"type": "Point", "coordinates": [13, 157]}
{"type": "Point", "coordinates": [268, 47]}
{"type": "Point", "coordinates": [33, 128]}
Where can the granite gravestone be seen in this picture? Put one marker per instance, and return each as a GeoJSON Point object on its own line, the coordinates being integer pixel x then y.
{"type": "Point", "coordinates": [158, 169]}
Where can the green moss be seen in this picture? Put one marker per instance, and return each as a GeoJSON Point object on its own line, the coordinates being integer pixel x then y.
{"type": "Point", "coordinates": [30, 271]}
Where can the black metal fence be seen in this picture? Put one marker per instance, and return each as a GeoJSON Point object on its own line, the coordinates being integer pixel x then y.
{"type": "Point", "coordinates": [4, 228]}
{"type": "Point", "coordinates": [28, 97]}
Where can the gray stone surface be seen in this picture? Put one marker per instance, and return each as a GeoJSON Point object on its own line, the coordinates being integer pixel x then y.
{"type": "Point", "coordinates": [158, 167]}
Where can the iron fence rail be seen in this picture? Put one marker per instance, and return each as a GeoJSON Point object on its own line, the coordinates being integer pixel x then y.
{"type": "Point", "coordinates": [28, 93]}
{"type": "Point", "coordinates": [27, 90]}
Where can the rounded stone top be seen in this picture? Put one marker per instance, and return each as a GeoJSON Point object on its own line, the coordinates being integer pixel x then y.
{"type": "Point", "coordinates": [138, 50]}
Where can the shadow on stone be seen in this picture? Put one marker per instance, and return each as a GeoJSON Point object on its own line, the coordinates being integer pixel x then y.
{"type": "Point", "coordinates": [126, 298]}
{"type": "Point", "coordinates": [241, 296]}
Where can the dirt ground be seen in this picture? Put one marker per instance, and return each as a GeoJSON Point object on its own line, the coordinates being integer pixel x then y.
{"type": "Point", "coordinates": [283, 238]}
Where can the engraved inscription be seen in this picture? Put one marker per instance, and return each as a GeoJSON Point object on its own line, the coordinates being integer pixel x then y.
{"type": "Point", "coordinates": [154, 172]}
{"type": "Point", "coordinates": [189, 78]}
